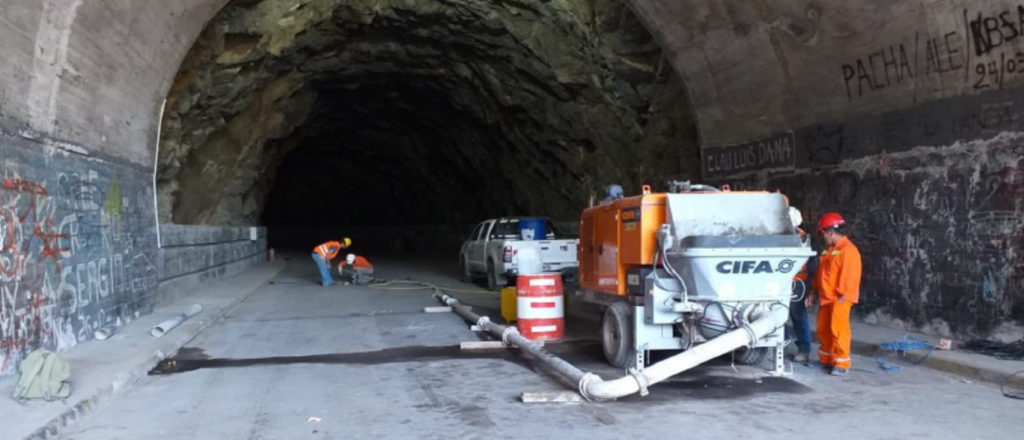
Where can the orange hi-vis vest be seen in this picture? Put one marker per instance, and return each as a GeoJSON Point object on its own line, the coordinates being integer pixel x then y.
{"type": "Point", "coordinates": [328, 250]}
{"type": "Point", "coordinates": [839, 273]}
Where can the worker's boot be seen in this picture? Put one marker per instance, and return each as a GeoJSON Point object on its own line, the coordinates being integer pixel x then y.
{"type": "Point", "coordinates": [801, 358]}
{"type": "Point", "coordinates": [840, 371]}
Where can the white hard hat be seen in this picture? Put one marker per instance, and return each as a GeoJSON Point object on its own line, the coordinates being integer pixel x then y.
{"type": "Point", "coordinates": [795, 217]}
{"type": "Point", "coordinates": [350, 258]}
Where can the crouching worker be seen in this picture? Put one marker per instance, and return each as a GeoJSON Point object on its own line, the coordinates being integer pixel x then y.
{"type": "Point", "coordinates": [322, 256]}
{"type": "Point", "coordinates": [356, 269]}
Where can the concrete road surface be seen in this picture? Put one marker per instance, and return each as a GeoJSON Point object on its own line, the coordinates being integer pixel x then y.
{"type": "Point", "coordinates": [297, 361]}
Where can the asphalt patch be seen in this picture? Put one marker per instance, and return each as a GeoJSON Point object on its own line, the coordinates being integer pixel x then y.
{"type": "Point", "coordinates": [192, 359]}
{"type": "Point", "coordinates": [707, 382]}
{"type": "Point", "coordinates": [718, 387]}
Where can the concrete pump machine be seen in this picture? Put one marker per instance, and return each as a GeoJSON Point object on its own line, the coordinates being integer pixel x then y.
{"type": "Point", "coordinates": [678, 270]}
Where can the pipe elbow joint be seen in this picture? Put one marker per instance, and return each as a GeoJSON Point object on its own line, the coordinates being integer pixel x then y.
{"type": "Point", "coordinates": [595, 389]}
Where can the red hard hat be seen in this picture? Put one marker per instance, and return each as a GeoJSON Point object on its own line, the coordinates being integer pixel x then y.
{"type": "Point", "coordinates": [829, 220]}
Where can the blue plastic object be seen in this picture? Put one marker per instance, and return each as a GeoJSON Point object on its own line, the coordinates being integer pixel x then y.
{"type": "Point", "coordinates": [900, 348]}
{"type": "Point", "coordinates": [533, 229]}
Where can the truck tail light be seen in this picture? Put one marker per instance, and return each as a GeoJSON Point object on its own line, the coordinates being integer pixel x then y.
{"type": "Point", "coordinates": [506, 255]}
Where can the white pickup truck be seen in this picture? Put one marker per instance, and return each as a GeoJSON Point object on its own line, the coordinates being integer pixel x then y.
{"type": "Point", "coordinates": [490, 250]}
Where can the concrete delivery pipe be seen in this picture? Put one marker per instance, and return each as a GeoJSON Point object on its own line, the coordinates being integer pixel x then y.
{"type": "Point", "coordinates": [763, 322]}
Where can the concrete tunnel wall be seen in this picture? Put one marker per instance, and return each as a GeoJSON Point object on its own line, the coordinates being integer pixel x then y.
{"type": "Point", "coordinates": [902, 115]}
{"type": "Point", "coordinates": [80, 92]}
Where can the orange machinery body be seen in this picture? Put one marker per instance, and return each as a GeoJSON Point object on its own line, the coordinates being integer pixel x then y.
{"type": "Point", "coordinates": [616, 237]}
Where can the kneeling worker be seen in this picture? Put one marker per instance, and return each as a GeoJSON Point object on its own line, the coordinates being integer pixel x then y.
{"type": "Point", "coordinates": [324, 253]}
{"type": "Point", "coordinates": [356, 269]}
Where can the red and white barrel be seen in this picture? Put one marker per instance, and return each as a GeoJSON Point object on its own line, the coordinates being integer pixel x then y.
{"type": "Point", "coordinates": [540, 307]}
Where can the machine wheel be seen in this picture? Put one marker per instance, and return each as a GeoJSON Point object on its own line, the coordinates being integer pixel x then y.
{"type": "Point", "coordinates": [752, 356]}
{"type": "Point", "coordinates": [494, 283]}
{"type": "Point", "coordinates": [617, 336]}
{"type": "Point", "coordinates": [467, 275]}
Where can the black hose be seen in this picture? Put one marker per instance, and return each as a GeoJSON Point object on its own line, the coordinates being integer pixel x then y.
{"type": "Point", "coordinates": [1012, 351]}
{"type": "Point", "coordinates": [657, 279]}
{"type": "Point", "coordinates": [660, 251]}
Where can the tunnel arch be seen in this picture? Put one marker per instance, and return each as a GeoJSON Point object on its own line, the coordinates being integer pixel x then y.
{"type": "Point", "coordinates": [903, 116]}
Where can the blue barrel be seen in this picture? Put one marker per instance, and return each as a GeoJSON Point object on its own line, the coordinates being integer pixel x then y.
{"type": "Point", "coordinates": [533, 229]}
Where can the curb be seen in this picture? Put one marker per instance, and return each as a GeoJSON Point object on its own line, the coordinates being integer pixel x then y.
{"type": "Point", "coordinates": [125, 381]}
{"type": "Point", "coordinates": [955, 368]}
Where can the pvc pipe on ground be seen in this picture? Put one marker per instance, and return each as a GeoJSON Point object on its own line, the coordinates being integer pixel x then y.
{"type": "Point", "coordinates": [593, 387]}
{"type": "Point", "coordinates": [103, 333]}
{"type": "Point", "coordinates": [168, 325]}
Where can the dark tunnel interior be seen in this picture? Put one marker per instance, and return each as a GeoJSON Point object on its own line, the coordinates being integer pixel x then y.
{"type": "Point", "coordinates": [356, 117]}
{"type": "Point", "coordinates": [392, 154]}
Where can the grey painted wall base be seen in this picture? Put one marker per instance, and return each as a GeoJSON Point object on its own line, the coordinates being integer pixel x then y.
{"type": "Point", "coordinates": [176, 288]}
{"type": "Point", "coordinates": [195, 255]}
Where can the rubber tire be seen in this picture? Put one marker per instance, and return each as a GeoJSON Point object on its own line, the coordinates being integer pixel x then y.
{"type": "Point", "coordinates": [492, 278]}
{"type": "Point", "coordinates": [465, 275]}
{"type": "Point", "coordinates": [752, 356]}
{"type": "Point", "coordinates": [617, 336]}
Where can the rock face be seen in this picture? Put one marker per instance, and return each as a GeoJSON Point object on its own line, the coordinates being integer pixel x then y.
{"type": "Point", "coordinates": [387, 112]}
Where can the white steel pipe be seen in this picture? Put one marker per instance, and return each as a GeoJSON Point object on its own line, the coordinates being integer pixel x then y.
{"type": "Point", "coordinates": [156, 167]}
{"type": "Point", "coordinates": [593, 387]}
{"type": "Point", "coordinates": [168, 325]}
{"type": "Point", "coordinates": [760, 326]}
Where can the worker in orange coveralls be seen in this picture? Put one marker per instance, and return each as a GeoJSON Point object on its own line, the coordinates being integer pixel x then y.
{"type": "Point", "coordinates": [356, 269]}
{"type": "Point", "coordinates": [837, 283]}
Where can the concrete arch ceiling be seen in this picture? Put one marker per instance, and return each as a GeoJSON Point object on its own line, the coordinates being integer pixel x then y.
{"type": "Point", "coordinates": [93, 74]}
{"type": "Point", "coordinates": [903, 115]}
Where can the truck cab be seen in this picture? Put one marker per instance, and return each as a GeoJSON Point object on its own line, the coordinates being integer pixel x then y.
{"type": "Point", "coordinates": [491, 248]}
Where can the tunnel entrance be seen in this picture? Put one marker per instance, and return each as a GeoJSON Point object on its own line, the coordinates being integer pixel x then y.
{"type": "Point", "coordinates": [338, 114]}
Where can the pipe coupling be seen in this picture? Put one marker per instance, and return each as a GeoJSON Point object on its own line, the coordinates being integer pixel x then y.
{"type": "Point", "coordinates": [506, 333]}
{"type": "Point", "coordinates": [641, 380]}
{"type": "Point", "coordinates": [750, 334]}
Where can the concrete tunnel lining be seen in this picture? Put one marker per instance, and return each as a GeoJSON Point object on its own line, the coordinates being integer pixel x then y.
{"type": "Point", "coordinates": [926, 163]}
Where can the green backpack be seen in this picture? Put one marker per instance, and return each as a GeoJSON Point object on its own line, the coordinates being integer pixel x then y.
{"type": "Point", "coordinates": [44, 375]}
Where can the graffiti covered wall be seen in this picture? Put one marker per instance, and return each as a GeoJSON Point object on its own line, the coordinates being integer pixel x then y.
{"type": "Point", "coordinates": [921, 152]}
{"type": "Point", "coordinates": [934, 196]}
{"type": "Point", "coordinates": [77, 246]}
